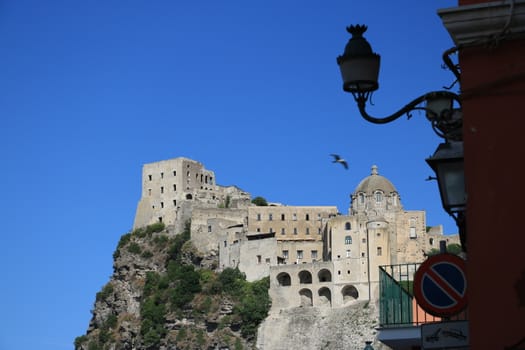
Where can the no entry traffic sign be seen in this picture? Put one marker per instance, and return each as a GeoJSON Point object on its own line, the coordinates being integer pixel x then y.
{"type": "Point", "coordinates": [440, 285]}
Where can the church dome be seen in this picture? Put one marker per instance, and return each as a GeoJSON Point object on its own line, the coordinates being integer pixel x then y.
{"type": "Point", "coordinates": [375, 182]}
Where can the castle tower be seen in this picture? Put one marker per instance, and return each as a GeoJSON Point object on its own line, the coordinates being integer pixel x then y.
{"type": "Point", "coordinates": [377, 232]}
{"type": "Point", "coordinates": [166, 185]}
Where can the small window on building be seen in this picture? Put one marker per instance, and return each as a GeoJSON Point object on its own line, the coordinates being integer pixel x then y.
{"type": "Point", "coordinates": [283, 231]}
{"type": "Point", "coordinates": [174, 187]}
{"type": "Point", "coordinates": [379, 196]}
{"type": "Point", "coordinates": [348, 253]}
{"type": "Point", "coordinates": [285, 254]}
{"type": "Point", "coordinates": [363, 240]}
{"type": "Point", "coordinates": [361, 198]}
{"type": "Point", "coordinates": [431, 241]}
{"type": "Point", "coordinates": [299, 254]}
{"type": "Point", "coordinates": [314, 254]}
{"type": "Point", "coordinates": [347, 272]}
{"type": "Point", "coordinates": [160, 218]}
{"type": "Point", "coordinates": [162, 204]}
{"type": "Point", "coordinates": [209, 228]}
{"type": "Point", "coordinates": [307, 217]}
{"type": "Point", "coordinates": [149, 177]}
{"type": "Point", "coordinates": [162, 175]}
{"type": "Point", "coordinates": [174, 173]}
{"type": "Point", "coordinates": [348, 226]}
{"type": "Point", "coordinates": [319, 231]}
{"type": "Point", "coordinates": [271, 230]}
{"type": "Point", "coordinates": [339, 272]}
{"type": "Point", "coordinates": [348, 240]}
{"type": "Point", "coordinates": [307, 230]}
{"type": "Point", "coordinates": [295, 230]}
{"type": "Point", "coordinates": [282, 217]}
{"type": "Point", "coordinates": [225, 244]}
{"type": "Point", "coordinates": [267, 260]}
{"type": "Point", "coordinates": [294, 217]}
{"type": "Point", "coordinates": [161, 189]}
{"type": "Point", "coordinates": [258, 259]}
{"type": "Point", "coordinates": [270, 217]}
{"type": "Point", "coordinates": [362, 255]}
{"type": "Point", "coordinates": [258, 217]}
{"type": "Point", "coordinates": [149, 191]}
{"type": "Point", "coordinates": [413, 233]}
{"type": "Point", "coordinates": [174, 203]}
{"type": "Point", "coordinates": [379, 251]}
{"type": "Point", "coordinates": [258, 229]}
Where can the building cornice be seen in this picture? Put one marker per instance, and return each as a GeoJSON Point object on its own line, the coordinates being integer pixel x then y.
{"type": "Point", "coordinates": [482, 24]}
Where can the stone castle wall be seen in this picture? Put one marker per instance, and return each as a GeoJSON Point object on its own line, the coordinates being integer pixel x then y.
{"type": "Point", "coordinates": [341, 254]}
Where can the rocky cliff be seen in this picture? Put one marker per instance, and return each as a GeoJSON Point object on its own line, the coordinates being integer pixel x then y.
{"type": "Point", "coordinates": [163, 295]}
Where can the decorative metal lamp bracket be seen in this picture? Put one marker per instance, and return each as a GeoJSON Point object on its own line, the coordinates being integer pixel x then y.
{"type": "Point", "coordinates": [446, 125]}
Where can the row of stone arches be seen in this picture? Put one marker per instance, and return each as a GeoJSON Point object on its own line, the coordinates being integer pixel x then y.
{"type": "Point", "coordinates": [304, 277]}
{"type": "Point", "coordinates": [324, 296]}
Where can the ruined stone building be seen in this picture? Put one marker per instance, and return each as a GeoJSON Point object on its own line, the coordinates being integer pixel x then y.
{"type": "Point", "coordinates": [313, 255]}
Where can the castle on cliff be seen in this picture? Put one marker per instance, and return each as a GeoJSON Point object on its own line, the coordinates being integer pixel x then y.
{"type": "Point", "coordinates": [313, 255]}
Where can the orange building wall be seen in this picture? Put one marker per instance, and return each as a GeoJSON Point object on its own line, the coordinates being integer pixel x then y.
{"type": "Point", "coordinates": [493, 84]}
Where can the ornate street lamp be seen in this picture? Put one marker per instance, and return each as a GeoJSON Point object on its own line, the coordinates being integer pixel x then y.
{"type": "Point", "coordinates": [447, 163]}
{"type": "Point", "coordinates": [360, 71]}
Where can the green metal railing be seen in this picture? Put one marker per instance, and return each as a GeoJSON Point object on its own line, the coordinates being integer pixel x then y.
{"type": "Point", "coordinates": [397, 305]}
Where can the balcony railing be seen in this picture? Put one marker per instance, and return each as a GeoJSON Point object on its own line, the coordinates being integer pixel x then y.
{"type": "Point", "coordinates": [397, 305]}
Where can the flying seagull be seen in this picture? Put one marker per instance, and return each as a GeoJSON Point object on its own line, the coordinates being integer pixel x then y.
{"type": "Point", "coordinates": [338, 159]}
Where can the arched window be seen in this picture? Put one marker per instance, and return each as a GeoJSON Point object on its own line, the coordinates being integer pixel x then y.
{"type": "Point", "coordinates": [325, 296]}
{"type": "Point", "coordinates": [379, 196]}
{"type": "Point", "coordinates": [348, 226]}
{"type": "Point", "coordinates": [305, 277]}
{"type": "Point", "coordinates": [350, 293]}
{"type": "Point", "coordinates": [348, 240]}
{"type": "Point", "coordinates": [324, 275]}
{"type": "Point", "coordinates": [283, 279]}
{"type": "Point", "coordinates": [361, 198]}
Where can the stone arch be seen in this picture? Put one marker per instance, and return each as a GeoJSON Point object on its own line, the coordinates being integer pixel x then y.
{"type": "Point", "coordinates": [306, 297]}
{"type": "Point", "coordinates": [349, 293]}
{"type": "Point", "coordinates": [324, 275]}
{"type": "Point", "coordinates": [189, 196]}
{"type": "Point", "coordinates": [284, 279]}
{"type": "Point", "coordinates": [325, 296]}
{"type": "Point", "coordinates": [305, 277]}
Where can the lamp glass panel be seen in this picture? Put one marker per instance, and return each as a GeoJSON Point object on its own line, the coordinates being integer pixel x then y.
{"type": "Point", "coordinates": [360, 73]}
{"type": "Point", "coordinates": [451, 179]}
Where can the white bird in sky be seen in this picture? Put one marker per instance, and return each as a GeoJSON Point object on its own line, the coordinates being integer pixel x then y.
{"type": "Point", "coordinates": [338, 159]}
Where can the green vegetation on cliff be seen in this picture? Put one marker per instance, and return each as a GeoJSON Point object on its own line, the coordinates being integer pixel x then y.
{"type": "Point", "coordinates": [178, 291]}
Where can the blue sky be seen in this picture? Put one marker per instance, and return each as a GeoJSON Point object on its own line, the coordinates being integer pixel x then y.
{"type": "Point", "coordinates": [92, 90]}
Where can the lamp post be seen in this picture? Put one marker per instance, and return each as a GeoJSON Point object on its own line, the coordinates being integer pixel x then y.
{"type": "Point", "coordinates": [359, 67]}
